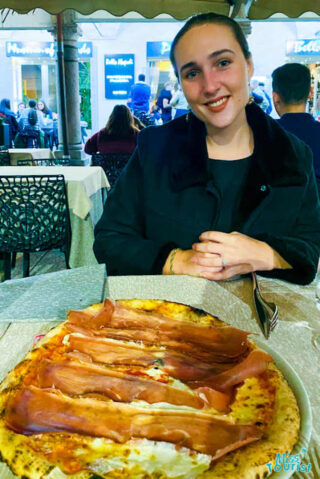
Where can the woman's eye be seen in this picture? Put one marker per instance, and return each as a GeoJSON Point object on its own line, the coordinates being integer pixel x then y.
{"type": "Point", "coordinates": [191, 74]}
{"type": "Point", "coordinates": [224, 63]}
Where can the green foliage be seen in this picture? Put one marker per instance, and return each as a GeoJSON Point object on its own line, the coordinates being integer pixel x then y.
{"type": "Point", "coordinates": [85, 93]}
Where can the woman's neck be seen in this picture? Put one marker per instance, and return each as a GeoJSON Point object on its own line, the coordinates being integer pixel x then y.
{"type": "Point", "coordinates": [231, 143]}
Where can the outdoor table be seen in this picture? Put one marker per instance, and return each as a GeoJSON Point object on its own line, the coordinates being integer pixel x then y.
{"type": "Point", "coordinates": [29, 154]}
{"type": "Point", "coordinates": [41, 302]}
{"type": "Point", "coordinates": [85, 189]}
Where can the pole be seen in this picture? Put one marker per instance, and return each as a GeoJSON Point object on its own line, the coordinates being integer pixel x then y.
{"type": "Point", "coordinates": [62, 88]}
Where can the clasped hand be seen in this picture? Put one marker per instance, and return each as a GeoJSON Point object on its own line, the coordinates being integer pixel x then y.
{"type": "Point", "coordinates": [220, 256]}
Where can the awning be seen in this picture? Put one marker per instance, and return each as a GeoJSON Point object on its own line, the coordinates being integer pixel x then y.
{"type": "Point", "coordinates": [179, 9]}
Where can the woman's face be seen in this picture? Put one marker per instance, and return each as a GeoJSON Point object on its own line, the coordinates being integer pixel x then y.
{"type": "Point", "coordinates": [40, 105]}
{"type": "Point", "coordinates": [214, 75]}
{"type": "Point", "coordinates": [21, 107]}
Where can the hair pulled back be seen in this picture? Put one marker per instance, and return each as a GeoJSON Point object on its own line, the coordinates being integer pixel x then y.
{"type": "Point", "coordinates": [205, 18]}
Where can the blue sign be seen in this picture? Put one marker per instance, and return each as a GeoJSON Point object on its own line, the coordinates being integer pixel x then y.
{"type": "Point", "coordinates": [158, 49]}
{"type": "Point", "coordinates": [303, 47]}
{"type": "Point", "coordinates": [119, 75]}
{"type": "Point", "coordinates": [43, 49]}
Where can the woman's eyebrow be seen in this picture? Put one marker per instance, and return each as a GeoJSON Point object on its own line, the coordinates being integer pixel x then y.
{"type": "Point", "coordinates": [212, 55]}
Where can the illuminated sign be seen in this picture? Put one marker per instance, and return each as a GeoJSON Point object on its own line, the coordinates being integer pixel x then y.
{"type": "Point", "coordinates": [43, 49]}
{"type": "Point", "coordinates": [303, 47]}
{"type": "Point", "coordinates": [119, 75]}
{"type": "Point", "coordinates": [158, 49]}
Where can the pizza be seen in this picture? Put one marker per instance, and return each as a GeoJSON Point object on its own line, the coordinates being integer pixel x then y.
{"type": "Point", "coordinates": [145, 389]}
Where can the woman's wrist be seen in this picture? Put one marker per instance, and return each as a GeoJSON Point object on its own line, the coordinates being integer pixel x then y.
{"type": "Point", "coordinates": [170, 266]}
{"type": "Point", "coordinates": [273, 260]}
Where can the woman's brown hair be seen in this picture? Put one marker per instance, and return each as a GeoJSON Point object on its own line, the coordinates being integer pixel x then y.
{"type": "Point", "coordinates": [120, 124]}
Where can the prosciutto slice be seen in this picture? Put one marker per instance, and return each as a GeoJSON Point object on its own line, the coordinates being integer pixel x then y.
{"type": "Point", "coordinates": [253, 365]}
{"type": "Point", "coordinates": [33, 410]}
{"type": "Point", "coordinates": [178, 365]}
{"type": "Point", "coordinates": [114, 352]}
{"type": "Point", "coordinates": [226, 341]}
{"type": "Point", "coordinates": [78, 379]}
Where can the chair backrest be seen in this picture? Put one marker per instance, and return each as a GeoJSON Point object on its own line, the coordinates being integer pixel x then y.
{"type": "Point", "coordinates": [36, 162]}
{"type": "Point", "coordinates": [112, 164]}
{"type": "Point", "coordinates": [145, 118]}
{"type": "Point", "coordinates": [34, 213]}
{"type": "Point", "coordinates": [44, 162]}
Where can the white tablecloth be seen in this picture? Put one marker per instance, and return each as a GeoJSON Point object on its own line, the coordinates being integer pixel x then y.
{"type": "Point", "coordinates": [29, 154]}
{"type": "Point", "coordinates": [84, 188]}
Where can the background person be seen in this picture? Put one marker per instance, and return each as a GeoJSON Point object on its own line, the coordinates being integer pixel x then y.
{"type": "Point", "coordinates": [21, 107]}
{"type": "Point", "coordinates": [260, 96]}
{"type": "Point", "coordinates": [291, 84]}
{"type": "Point", "coordinates": [118, 136]}
{"type": "Point", "coordinates": [163, 102]}
{"type": "Point", "coordinates": [140, 95]}
{"type": "Point", "coordinates": [221, 191]}
{"type": "Point", "coordinates": [30, 124]}
{"type": "Point", "coordinates": [5, 110]}
{"type": "Point", "coordinates": [179, 102]}
{"type": "Point", "coordinates": [42, 106]}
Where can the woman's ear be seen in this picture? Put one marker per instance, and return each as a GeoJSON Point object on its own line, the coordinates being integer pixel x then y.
{"type": "Point", "coordinates": [250, 67]}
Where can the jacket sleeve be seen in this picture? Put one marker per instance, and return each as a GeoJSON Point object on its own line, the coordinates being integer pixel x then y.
{"type": "Point", "coordinates": [91, 145]}
{"type": "Point", "coordinates": [120, 240]}
{"type": "Point", "coordinates": [301, 247]}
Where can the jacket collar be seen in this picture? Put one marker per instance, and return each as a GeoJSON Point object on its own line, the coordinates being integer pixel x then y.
{"type": "Point", "coordinates": [273, 161]}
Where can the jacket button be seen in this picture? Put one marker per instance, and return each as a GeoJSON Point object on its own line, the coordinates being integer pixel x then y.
{"type": "Point", "coordinates": [263, 188]}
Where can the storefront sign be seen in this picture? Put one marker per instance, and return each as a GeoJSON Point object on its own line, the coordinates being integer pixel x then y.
{"type": "Point", "coordinates": [119, 75]}
{"type": "Point", "coordinates": [43, 49]}
{"type": "Point", "coordinates": [158, 49]}
{"type": "Point", "coordinates": [303, 47]}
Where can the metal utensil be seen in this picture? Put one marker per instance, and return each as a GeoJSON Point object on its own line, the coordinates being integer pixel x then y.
{"type": "Point", "coordinates": [267, 312]}
{"type": "Point", "coordinates": [104, 285]}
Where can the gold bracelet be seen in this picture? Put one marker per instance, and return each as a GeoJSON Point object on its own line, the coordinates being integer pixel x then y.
{"type": "Point", "coordinates": [173, 253]}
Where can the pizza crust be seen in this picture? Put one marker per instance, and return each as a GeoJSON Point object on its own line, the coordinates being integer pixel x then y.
{"type": "Point", "coordinates": [266, 400]}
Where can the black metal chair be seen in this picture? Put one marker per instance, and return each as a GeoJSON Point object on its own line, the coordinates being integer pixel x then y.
{"type": "Point", "coordinates": [44, 162]}
{"type": "Point", "coordinates": [112, 164]}
{"type": "Point", "coordinates": [36, 162]}
{"type": "Point", "coordinates": [34, 216]}
{"type": "Point", "coordinates": [145, 118]}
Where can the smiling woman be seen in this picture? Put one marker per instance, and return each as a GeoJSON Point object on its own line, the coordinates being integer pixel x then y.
{"type": "Point", "coordinates": [220, 191]}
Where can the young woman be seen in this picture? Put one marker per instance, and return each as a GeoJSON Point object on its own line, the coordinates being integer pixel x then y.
{"type": "Point", "coordinates": [42, 106]}
{"type": "Point", "coordinates": [221, 191]}
{"type": "Point", "coordinates": [118, 136]}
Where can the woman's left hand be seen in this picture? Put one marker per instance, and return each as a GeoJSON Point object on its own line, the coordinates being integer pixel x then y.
{"type": "Point", "coordinates": [235, 252]}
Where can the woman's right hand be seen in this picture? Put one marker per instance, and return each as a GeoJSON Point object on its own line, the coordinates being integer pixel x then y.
{"type": "Point", "coordinates": [183, 263]}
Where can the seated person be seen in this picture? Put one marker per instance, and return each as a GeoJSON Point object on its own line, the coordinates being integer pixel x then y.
{"type": "Point", "coordinates": [10, 117]}
{"type": "Point", "coordinates": [221, 191]}
{"type": "Point", "coordinates": [291, 84]}
{"type": "Point", "coordinates": [118, 136]}
{"type": "Point", "coordinates": [42, 106]}
{"type": "Point", "coordinates": [30, 124]}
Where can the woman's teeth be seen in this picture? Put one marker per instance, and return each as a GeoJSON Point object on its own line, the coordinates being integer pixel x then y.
{"type": "Point", "coordinates": [219, 102]}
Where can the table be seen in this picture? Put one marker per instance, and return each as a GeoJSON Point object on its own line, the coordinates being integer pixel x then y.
{"type": "Point", "coordinates": [29, 153]}
{"type": "Point", "coordinates": [85, 188]}
{"type": "Point", "coordinates": [41, 301]}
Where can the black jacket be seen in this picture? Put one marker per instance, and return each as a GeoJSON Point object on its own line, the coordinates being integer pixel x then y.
{"type": "Point", "coordinates": [163, 199]}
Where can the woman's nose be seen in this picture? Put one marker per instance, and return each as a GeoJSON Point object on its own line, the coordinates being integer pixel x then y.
{"type": "Point", "coordinates": [211, 83]}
